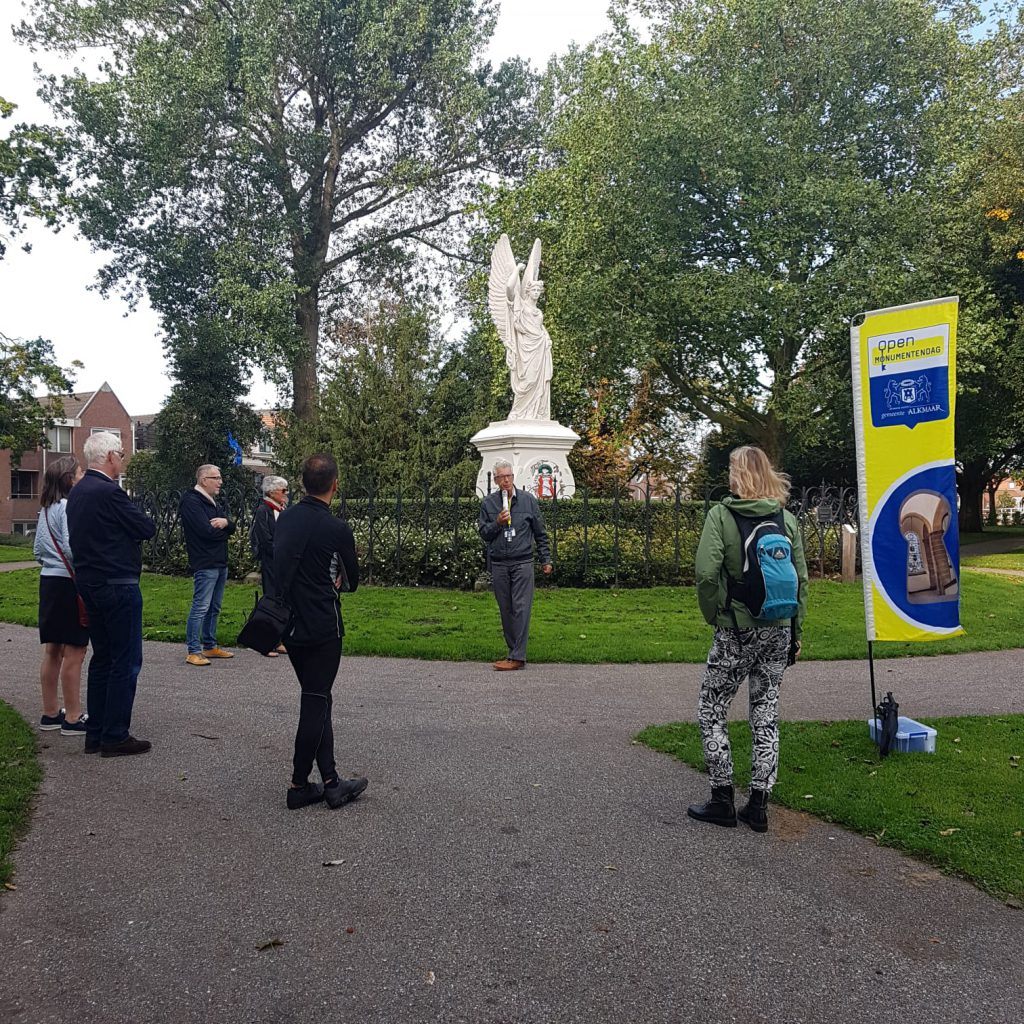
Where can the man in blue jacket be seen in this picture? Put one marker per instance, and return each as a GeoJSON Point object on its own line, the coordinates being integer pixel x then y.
{"type": "Point", "coordinates": [205, 523]}
{"type": "Point", "coordinates": [509, 523]}
{"type": "Point", "coordinates": [105, 530]}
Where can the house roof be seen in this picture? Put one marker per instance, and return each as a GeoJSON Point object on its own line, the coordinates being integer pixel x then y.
{"type": "Point", "coordinates": [75, 403]}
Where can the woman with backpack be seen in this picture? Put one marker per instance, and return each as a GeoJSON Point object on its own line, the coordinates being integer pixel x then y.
{"type": "Point", "coordinates": [61, 632]}
{"type": "Point", "coordinates": [752, 587]}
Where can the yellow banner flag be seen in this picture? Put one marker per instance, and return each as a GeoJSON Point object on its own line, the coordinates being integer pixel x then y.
{"type": "Point", "coordinates": [904, 402]}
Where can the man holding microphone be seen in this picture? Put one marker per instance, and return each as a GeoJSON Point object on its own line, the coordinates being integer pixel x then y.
{"type": "Point", "coordinates": [510, 521]}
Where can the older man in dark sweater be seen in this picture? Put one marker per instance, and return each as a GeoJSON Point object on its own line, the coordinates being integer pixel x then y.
{"type": "Point", "coordinates": [510, 522]}
{"type": "Point", "coordinates": [207, 527]}
{"type": "Point", "coordinates": [105, 530]}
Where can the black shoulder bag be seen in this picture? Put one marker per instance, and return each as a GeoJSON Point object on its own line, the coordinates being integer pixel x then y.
{"type": "Point", "coordinates": [270, 616]}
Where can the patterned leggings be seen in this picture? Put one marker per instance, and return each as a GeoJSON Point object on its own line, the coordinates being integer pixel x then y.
{"type": "Point", "coordinates": [760, 654]}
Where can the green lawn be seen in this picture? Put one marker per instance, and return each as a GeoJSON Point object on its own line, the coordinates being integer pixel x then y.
{"type": "Point", "coordinates": [584, 626]}
{"type": "Point", "coordinates": [992, 533]}
{"type": "Point", "coordinates": [19, 777]}
{"type": "Point", "coordinates": [959, 808]}
{"type": "Point", "coordinates": [9, 553]}
{"type": "Point", "coordinates": [1008, 560]}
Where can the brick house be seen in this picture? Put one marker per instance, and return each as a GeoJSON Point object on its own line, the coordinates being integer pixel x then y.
{"type": "Point", "coordinates": [85, 413]}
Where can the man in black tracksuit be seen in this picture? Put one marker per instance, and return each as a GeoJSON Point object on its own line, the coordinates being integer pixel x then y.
{"type": "Point", "coordinates": [314, 556]}
{"type": "Point", "coordinates": [509, 523]}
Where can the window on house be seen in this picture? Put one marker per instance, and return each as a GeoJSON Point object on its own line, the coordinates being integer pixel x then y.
{"type": "Point", "coordinates": [23, 485]}
{"type": "Point", "coordinates": [59, 439]}
{"type": "Point", "coordinates": [106, 430]}
{"type": "Point", "coordinates": [23, 529]}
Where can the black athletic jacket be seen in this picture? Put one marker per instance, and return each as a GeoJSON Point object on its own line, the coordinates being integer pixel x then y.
{"type": "Point", "coordinates": [527, 522]}
{"type": "Point", "coordinates": [322, 545]}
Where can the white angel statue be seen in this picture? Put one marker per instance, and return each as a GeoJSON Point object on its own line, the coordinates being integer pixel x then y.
{"type": "Point", "coordinates": [520, 324]}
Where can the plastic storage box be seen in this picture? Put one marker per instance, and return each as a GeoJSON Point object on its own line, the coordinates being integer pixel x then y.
{"type": "Point", "coordinates": [911, 737]}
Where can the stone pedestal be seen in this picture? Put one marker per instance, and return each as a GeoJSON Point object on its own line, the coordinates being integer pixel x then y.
{"type": "Point", "coordinates": [538, 451]}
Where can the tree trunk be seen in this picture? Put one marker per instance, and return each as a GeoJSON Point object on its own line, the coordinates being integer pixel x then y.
{"type": "Point", "coordinates": [992, 486]}
{"type": "Point", "coordinates": [305, 392]}
{"type": "Point", "coordinates": [971, 485]}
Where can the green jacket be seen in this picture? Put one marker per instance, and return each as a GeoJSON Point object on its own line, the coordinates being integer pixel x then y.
{"type": "Point", "coordinates": [719, 557]}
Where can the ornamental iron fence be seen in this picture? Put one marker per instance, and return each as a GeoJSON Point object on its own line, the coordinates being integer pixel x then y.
{"type": "Point", "coordinates": [630, 538]}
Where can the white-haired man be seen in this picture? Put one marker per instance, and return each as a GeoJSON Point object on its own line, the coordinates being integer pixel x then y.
{"type": "Point", "coordinates": [261, 534]}
{"type": "Point", "coordinates": [510, 522]}
{"type": "Point", "coordinates": [207, 527]}
{"type": "Point", "coordinates": [105, 532]}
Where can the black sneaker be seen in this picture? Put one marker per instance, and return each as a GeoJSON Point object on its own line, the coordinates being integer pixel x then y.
{"type": "Point", "coordinates": [128, 746]}
{"type": "Point", "coordinates": [74, 728]}
{"type": "Point", "coordinates": [310, 793]}
{"type": "Point", "coordinates": [47, 723]}
{"type": "Point", "coordinates": [343, 791]}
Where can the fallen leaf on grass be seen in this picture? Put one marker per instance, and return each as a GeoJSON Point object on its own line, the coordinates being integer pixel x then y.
{"type": "Point", "coordinates": [333, 863]}
{"type": "Point", "coordinates": [430, 979]}
{"type": "Point", "coordinates": [583, 636]}
{"type": "Point", "coordinates": [956, 739]}
{"type": "Point", "coordinates": [10, 886]}
{"type": "Point", "coordinates": [837, 743]}
{"type": "Point", "coordinates": [948, 831]}
{"type": "Point", "coordinates": [269, 944]}
{"type": "Point", "coordinates": [1018, 834]}
{"type": "Point", "coordinates": [808, 796]}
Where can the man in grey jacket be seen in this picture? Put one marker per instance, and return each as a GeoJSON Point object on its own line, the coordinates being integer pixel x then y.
{"type": "Point", "coordinates": [510, 521]}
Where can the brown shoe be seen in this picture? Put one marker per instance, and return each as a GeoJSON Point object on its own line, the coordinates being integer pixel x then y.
{"type": "Point", "coordinates": [216, 652]}
{"type": "Point", "coordinates": [197, 659]}
{"type": "Point", "coordinates": [508, 665]}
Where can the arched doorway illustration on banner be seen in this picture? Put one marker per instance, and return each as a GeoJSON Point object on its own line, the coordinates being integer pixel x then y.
{"type": "Point", "coordinates": [924, 518]}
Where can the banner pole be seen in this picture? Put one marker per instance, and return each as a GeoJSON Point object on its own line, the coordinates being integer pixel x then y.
{"type": "Point", "coordinates": [874, 699]}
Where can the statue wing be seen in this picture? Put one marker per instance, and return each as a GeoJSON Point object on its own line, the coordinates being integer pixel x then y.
{"type": "Point", "coordinates": [503, 267]}
{"type": "Point", "coordinates": [532, 272]}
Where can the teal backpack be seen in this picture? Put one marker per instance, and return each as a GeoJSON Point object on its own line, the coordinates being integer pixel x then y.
{"type": "Point", "coordinates": [769, 587]}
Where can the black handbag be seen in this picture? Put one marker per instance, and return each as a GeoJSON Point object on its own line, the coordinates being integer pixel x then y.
{"type": "Point", "coordinates": [266, 624]}
{"type": "Point", "coordinates": [270, 616]}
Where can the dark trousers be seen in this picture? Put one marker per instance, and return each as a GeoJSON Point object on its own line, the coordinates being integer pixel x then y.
{"type": "Point", "coordinates": [267, 578]}
{"type": "Point", "coordinates": [115, 628]}
{"type": "Point", "coordinates": [513, 589]}
{"type": "Point", "coordinates": [315, 668]}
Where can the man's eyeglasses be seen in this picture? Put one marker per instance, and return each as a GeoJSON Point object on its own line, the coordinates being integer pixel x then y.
{"type": "Point", "coordinates": [120, 455]}
{"type": "Point", "coordinates": [503, 476]}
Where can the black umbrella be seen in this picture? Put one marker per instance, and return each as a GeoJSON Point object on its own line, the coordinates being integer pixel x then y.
{"type": "Point", "coordinates": [887, 719]}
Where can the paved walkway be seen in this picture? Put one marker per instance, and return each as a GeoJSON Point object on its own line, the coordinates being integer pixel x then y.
{"type": "Point", "coordinates": [13, 566]}
{"type": "Point", "coordinates": [997, 546]}
{"type": "Point", "coordinates": [516, 860]}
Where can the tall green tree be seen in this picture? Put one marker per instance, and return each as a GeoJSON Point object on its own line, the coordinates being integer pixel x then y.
{"type": "Point", "coordinates": [314, 143]}
{"type": "Point", "coordinates": [30, 182]}
{"type": "Point", "coordinates": [718, 201]}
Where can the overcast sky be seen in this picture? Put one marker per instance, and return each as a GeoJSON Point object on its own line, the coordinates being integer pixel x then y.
{"type": "Point", "coordinates": [47, 292]}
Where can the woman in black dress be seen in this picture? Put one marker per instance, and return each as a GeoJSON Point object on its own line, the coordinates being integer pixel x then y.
{"type": "Point", "coordinates": [63, 637]}
{"type": "Point", "coordinates": [261, 533]}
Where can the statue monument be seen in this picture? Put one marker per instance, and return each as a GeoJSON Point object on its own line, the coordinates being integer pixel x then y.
{"type": "Point", "coordinates": [535, 444]}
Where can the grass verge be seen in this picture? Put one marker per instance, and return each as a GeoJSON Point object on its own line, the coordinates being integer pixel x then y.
{"type": "Point", "coordinates": [579, 626]}
{"type": "Point", "coordinates": [991, 533]}
{"type": "Point", "coordinates": [959, 808]}
{"type": "Point", "coordinates": [1009, 560]}
{"type": "Point", "coordinates": [16, 554]}
{"type": "Point", "coordinates": [19, 779]}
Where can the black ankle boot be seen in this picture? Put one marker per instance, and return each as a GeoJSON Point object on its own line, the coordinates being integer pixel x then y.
{"type": "Point", "coordinates": [719, 810]}
{"type": "Point", "coordinates": [755, 814]}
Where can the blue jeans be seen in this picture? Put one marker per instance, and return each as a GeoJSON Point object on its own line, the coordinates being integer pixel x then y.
{"type": "Point", "coordinates": [207, 595]}
{"type": "Point", "coordinates": [115, 628]}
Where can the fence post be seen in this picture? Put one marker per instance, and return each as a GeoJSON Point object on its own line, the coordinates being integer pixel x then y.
{"type": "Point", "coordinates": [370, 507]}
{"type": "Point", "coordinates": [647, 531]}
{"type": "Point", "coordinates": [586, 533]}
{"type": "Point", "coordinates": [677, 513]}
{"type": "Point", "coordinates": [554, 528]}
{"type": "Point", "coordinates": [615, 534]}
{"type": "Point", "coordinates": [398, 533]}
{"type": "Point", "coordinates": [426, 526]}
